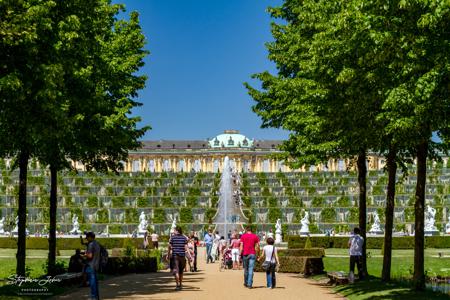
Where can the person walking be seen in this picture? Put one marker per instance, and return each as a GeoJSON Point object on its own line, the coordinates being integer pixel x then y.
{"type": "Point", "coordinates": [355, 245]}
{"type": "Point", "coordinates": [154, 236]}
{"type": "Point", "coordinates": [215, 247]}
{"type": "Point", "coordinates": [208, 239]}
{"type": "Point", "coordinates": [235, 254]}
{"type": "Point", "coordinates": [92, 264]}
{"type": "Point", "coordinates": [145, 241]}
{"type": "Point", "coordinates": [249, 249]}
{"type": "Point", "coordinates": [194, 238]}
{"type": "Point", "coordinates": [177, 251]}
{"type": "Point", "coordinates": [271, 256]}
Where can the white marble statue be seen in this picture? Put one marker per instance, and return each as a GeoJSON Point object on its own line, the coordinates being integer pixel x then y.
{"type": "Point", "coordinates": [142, 223]}
{"type": "Point", "coordinates": [278, 232]}
{"type": "Point", "coordinates": [376, 228]}
{"type": "Point", "coordinates": [447, 226]}
{"type": "Point", "coordinates": [430, 214]}
{"type": "Point", "coordinates": [173, 226]}
{"type": "Point", "coordinates": [2, 226]}
{"type": "Point", "coordinates": [305, 224]}
{"type": "Point", "coordinates": [16, 228]}
{"type": "Point", "coordinates": [75, 225]}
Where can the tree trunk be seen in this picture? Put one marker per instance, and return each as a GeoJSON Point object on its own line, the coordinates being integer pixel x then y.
{"type": "Point", "coordinates": [362, 175]}
{"type": "Point", "coordinates": [52, 232]}
{"type": "Point", "coordinates": [22, 213]}
{"type": "Point", "coordinates": [419, 239]}
{"type": "Point", "coordinates": [390, 204]}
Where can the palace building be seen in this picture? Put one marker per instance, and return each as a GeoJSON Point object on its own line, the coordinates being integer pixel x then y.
{"type": "Point", "coordinates": [247, 155]}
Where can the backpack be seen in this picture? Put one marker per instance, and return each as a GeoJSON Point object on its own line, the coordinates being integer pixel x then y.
{"type": "Point", "coordinates": [103, 258]}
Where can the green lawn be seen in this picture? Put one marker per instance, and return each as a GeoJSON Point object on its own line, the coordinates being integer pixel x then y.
{"type": "Point", "coordinates": [402, 266]}
{"type": "Point", "coordinates": [34, 265]}
{"type": "Point", "coordinates": [402, 262]}
{"type": "Point", "coordinates": [374, 289]}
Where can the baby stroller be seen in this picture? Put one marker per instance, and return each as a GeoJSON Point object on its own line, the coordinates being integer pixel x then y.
{"type": "Point", "coordinates": [226, 261]}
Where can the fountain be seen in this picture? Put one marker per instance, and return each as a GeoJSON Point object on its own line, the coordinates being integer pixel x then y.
{"type": "Point", "coordinates": [229, 211]}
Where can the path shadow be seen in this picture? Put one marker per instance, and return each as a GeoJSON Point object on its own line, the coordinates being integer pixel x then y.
{"type": "Point", "coordinates": [142, 284]}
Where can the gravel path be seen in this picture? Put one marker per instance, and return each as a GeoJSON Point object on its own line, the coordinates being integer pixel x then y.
{"type": "Point", "coordinates": [208, 283]}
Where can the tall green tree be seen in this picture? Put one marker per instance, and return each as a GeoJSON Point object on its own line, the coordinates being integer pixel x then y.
{"type": "Point", "coordinates": [321, 94]}
{"type": "Point", "coordinates": [26, 82]}
{"type": "Point", "coordinates": [68, 85]}
{"type": "Point", "coordinates": [91, 123]}
{"type": "Point", "coordinates": [418, 105]}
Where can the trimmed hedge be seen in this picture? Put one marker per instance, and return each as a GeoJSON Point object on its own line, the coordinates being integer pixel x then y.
{"type": "Point", "coordinates": [311, 252]}
{"type": "Point", "coordinates": [124, 265]}
{"type": "Point", "coordinates": [74, 243]}
{"type": "Point", "coordinates": [407, 242]}
{"type": "Point", "coordinates": [297, 264]}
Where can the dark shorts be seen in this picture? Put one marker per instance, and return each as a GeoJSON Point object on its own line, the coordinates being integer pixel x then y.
{"type": "Point", "coordinates": [155, 245]}
{"type": "Point", "coordinates": [178, 263]}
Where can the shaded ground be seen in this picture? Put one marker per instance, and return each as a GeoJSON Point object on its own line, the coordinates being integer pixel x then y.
{"type": "Point", "coordinates": [374, 289]}
{"type": "Point", "coordinates": [209, 283]}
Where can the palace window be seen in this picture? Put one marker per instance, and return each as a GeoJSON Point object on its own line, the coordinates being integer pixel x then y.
{"type": "Point", "coordinates": [266, 165]}
{"type": "Point", "coordinates": [166, 165]}
{"type": "Point", "coordinates": [181, 165]}
{"type": "Point", "coordinates": [151, 166]}
{"type": "Point", "coordinates": [136, 166]}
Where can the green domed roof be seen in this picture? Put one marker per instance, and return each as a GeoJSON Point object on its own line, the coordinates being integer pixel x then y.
{"type": "Point", "coordinates": [230, 139]}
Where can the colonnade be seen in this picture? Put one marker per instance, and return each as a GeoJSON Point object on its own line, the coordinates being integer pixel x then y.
{"type": "Point", "coordinates": [245, 162]}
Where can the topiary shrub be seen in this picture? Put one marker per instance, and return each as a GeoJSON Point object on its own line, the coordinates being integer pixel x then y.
{"type": "Point", "coordinates": [274, 214]}
{"type": "Point", "coordinates": [102, 216]}
{"type": "Point", "coordinates": [186, 215]}
{"type": "Point", "coordinates": [92, 201]}
{"type": "Point", "coordinates": [166, 201]}
{"type": "Point", "coordinates": [159, 216]}
{"type": "Point", "coordinates": [142, 202]}
{"type": "Point", "coordinates": [131, 215]}
{"type": "Point", "coordinates": [118, 202]}
{"type": "Point", "coordinates": [328, 214]}
{"type": "Point", "coordinates": [308, 243]}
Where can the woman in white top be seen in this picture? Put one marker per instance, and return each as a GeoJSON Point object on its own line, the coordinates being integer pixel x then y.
{"type": "Point", "coordinates": [271, 254]}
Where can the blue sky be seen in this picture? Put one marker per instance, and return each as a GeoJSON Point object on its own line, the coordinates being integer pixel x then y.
{"type": "Point", "coordinates": [201, 53]}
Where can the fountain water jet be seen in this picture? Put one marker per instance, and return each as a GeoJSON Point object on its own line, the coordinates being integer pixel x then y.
{"type": "Point", "coordinates": [229, 211]}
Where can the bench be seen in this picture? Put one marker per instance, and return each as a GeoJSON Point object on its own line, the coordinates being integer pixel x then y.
{"type": "Point", "coordinates": [337, 277]}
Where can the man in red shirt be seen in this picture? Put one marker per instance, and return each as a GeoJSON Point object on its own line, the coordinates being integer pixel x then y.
{"type": "Point", "coordinates": [249, 249]}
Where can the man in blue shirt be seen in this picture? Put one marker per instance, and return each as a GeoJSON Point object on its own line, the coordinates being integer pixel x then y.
{"type": "Point", "coordinates": [208, 242]}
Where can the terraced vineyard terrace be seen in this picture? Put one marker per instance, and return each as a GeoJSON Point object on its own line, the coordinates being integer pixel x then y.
{"type": "Point", "coordinates": [331, 198]}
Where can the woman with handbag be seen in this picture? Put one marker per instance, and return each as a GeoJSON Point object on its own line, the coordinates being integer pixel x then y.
{"type": "Point", "coordinates": [271, 262]}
